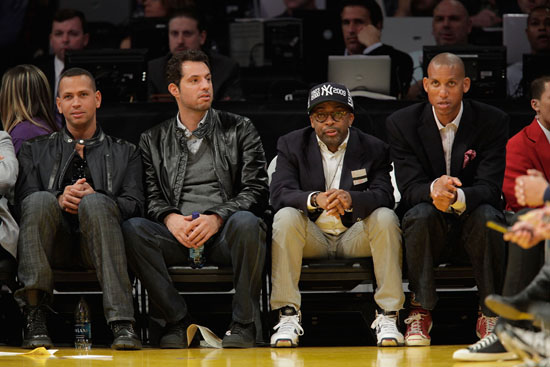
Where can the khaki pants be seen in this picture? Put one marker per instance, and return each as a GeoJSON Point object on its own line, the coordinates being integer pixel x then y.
{"type": "Point", "coordinates": [296, 237]}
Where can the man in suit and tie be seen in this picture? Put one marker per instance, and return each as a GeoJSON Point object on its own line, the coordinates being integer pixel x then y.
{"type": "Point", "coordinates": [334, 198]}
{"type": "Point", "coordinates": [449, 157]}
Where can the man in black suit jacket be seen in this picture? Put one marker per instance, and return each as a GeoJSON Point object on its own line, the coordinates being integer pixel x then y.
{"type": "Point", "coordinates": [361, 28]}
{"type": "Point", "coordinates": [69, 32]}
{"type": "Point", "coordinates": [186, 31]}
{"type": "Point", "coordinates": [450, 188]}
{"type": "Point", "coordinates": [333, 196]}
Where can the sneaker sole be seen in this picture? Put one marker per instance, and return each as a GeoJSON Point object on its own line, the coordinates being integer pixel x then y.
{"type": "Point", "coordinates": [418, 343]}
{"type": "Point", "coordinates": [127, 344]}
{"type": "Point", "coordinates": [390, 342]}
{"type": "Point", "coordinates": [284, 343]}
{"type": "Point", "coordinates": [466, 355]}
{"type": "Point", "coordinates": [507, 311]}
{"type": "Point", "coordinates": [36, 344]}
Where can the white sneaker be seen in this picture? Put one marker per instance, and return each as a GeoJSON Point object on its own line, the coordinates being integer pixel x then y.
{"type": "Point", "coordinates": [387, 334]}
{"type": "Point", "coordinates": [288, 329]}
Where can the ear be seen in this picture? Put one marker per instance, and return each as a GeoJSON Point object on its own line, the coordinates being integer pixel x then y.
{"type": "Point", "coordinates": [58, 104]}
{"type": "Point", "coordinates": [174, 90]}
{"type": "Point", "coordinates": [86, 39]}
{"type": "Point", "coordinates": [311, 121]}
{"type": "Point", "coordinates": [425, 82]}
{"type": "Point", "coordinates": [97, 99]}
{"type": "Point", "coordinates": [202, 37]}
{"type": "Point", "coordinates": [351, 118]}
{"type": "Point", "coordinates": [466, 84]}
{"type": "Point", "coordinates": [535, 105]}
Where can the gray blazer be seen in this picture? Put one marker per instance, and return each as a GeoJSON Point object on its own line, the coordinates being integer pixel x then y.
{"type": "Point", "coordinates": [9, 230]}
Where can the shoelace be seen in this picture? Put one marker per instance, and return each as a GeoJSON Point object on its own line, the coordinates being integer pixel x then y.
{"type": "Point", "coordinates": [386, 323]}
{"type": "Point", "coordinates": [485, 342]}
{"type": "Point", "coordinates": [117, 327]}
{"type": "Point", "coordinates": [36, 321]}
{"type": "Point", "coordinates": [415, 322]}
{"type": "Point", "coordinates": [289, 324]}
{"type": "Point", "coordinates": [490, 323]}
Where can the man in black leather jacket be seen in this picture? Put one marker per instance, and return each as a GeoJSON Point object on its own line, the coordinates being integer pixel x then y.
{"type": "Point", "coordinates": [209, 162]}
{"type": "Point", "coordinates": [75, 187]}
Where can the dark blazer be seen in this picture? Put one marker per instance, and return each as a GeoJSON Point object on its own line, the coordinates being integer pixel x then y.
{"type": "Point", "coordinates": [418, 156]}
{"type": "Point", "coordinates": [401, 68]}
{"type": "Point", "coordinates": [526, 150]}
{"type": "Point", "coordinates": [225, 76]}
{"type": "Point", "coordinates": [299, 172]}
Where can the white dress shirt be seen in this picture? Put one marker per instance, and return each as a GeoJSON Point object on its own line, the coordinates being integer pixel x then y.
{"type": "Point", "coordinates": [58, 66]}
{"type": "Point", "coordinates": [332, 169]}
{"type": "Point", "coordinates": [544, 130]}
{"type": "Point", "coordinates": [448, 133]}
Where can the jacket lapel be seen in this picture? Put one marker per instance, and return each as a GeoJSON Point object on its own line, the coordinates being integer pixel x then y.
{"type": "Point", "coordinates": [542, 147]}
{"type": "Point", "coordinates": [462, 140]}
{"type": "Point", "coordinates": [314, 162]}
{"type": "Point", "coordinates": [352, 156]}
{"type": "Point", "coordinates": [431, 141]}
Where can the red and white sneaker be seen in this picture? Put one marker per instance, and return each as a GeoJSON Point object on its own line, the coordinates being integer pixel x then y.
{"type": "Point", "coordinates": [419, 324]}
{"type": "Point", "coordinates": [485, 325]}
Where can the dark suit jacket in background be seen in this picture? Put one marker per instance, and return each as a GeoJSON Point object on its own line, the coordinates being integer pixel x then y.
{"type": "Point", "coordinates": [46, 64]}
{"type": "Point", "coordinates": [526, 150]}
{"type": "Point", "coordinates": [418, 157]}
{"type": "Point", "coordinates": [300, 171]}
{"type": "Point", "coordinates": [401, 68]}
{"type": "Point", "coordinates": [225, 76]}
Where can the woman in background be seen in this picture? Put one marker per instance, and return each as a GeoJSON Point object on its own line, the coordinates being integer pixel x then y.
{"type": "Point", "coordinates": [26, 104]}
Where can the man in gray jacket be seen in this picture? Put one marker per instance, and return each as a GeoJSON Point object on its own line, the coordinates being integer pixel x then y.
{"type": "Point", "coordinates": [206, 161]}
{"type": "Point", "coordinates": [9, 229]}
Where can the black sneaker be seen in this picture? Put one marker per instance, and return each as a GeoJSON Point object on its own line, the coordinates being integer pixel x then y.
{"type": "Point", "coordinates": [125, 336]}
{"type": "Point", "coordinates": [531, 346]}
{"type": "Point", "coordinates": [240, 336]}
{"type": "Point", "coordinates": [175, 336]}
{"type": "Point", "coordinates": [486, 349]}
{"type": "Point", "coordinates": [35, 333]}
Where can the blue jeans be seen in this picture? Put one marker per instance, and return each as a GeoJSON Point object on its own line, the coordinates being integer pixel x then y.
{"type": "Point", "coordinates": [151, 249]}
{"type": "Point", "coordinates": [50, 238]}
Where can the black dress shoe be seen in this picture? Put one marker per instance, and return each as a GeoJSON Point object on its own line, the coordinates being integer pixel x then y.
{"type": "Point", "coordinates": [125, 336]}
{"type": "Point", "coordinates": [35, 333]}
{"type": "Point", "coordinates": [240, 336]}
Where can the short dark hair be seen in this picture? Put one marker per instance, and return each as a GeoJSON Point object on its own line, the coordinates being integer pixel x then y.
{"type": "Point", "coordinates": [76, 72]}
{"type": "Point", "coordinates": [538, 86]}
{"type": "Point", "coordinates": [65, 14]}
{"type": "Point", "coordinates": [372, 6]}
{"type": "Point", "coordinates": [537, 8]}
{"type": "Point", "coordinates": [173, 67]}
{"type": "Point", "coordinates": [190, 12]}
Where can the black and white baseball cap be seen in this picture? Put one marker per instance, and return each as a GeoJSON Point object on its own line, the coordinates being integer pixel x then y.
{"type": "Point", "coordinates": [329, 92]}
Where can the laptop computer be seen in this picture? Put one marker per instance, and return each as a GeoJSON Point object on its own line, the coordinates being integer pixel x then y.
{"type": "Point", "coordinates": [514, 37]}
{"type": "Point", "coordinates": [361, 72]}
{"type": "Point", "coordinates": [408, 34]}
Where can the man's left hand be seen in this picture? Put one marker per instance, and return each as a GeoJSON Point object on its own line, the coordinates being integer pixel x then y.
{"type": "Point", "coordinates": [202, 228]}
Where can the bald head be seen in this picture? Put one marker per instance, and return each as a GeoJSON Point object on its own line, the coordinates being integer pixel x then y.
{"type": "Point", "coordinates": [450, 60]}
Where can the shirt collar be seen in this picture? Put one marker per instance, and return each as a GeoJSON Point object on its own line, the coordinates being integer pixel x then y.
{"type": "Point", "coordinates": [324, 147]}
{"type": "Point", "coordinates": [186, 131]}
{"type": "Point", "coordinates": [456, 121]}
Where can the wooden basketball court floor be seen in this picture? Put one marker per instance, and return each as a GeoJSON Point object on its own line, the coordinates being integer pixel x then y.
{"type": "Point", "coordinates": [434, 356]}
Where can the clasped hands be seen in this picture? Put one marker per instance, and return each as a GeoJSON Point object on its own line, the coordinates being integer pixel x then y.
{"type": "Point", "coordinates": [529, 189]}
{"type": "Point", "coordinates": [334, 201]}
{"type": "Point", "coordinates": [73, 194]}
{"type": "Point", "coordinates": [193, 233]}
{"type": "Point", "coordinates": [445, 192]}
{"type": "Point", "coordinates": [532, 227]}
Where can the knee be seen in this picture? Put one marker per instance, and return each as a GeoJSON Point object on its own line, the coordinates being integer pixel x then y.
{"type": "Point", "coordinates": [287, 218]}
{"type": "Point", "coordinates": [486, 212]}
{"type": "Point", "coordinates": [419, 215]}
{"type": "Point", "coordinates": [385, 218]}
{"type": "Point", "coordinates": [133, 231]}
{"type": "Point", "coordinates": [39, 202]}
{"type": "Point", "coordinates": [96, 205]}
{"type": "Point", "coordinates": [244, 219]}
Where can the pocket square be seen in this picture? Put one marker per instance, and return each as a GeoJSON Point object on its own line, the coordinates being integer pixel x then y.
{"type": "Point", "coordinates": [469, 156]}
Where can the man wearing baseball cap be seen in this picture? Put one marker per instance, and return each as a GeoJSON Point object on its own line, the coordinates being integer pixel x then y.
{"type": "Point", "coordinates": [334, 198]}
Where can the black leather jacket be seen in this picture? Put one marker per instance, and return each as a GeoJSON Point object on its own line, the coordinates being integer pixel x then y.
{"type": "Point", "coordinates": [115, 166]}
{"type": "Point", "coordinates": [239, 164]}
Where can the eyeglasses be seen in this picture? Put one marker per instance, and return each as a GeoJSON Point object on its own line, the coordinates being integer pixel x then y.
{"type": "Point", "coordinates": [323, 116]}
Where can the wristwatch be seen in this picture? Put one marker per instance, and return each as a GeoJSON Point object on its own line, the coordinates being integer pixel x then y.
{"type": "Point", "coordinates": [314, 200]}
